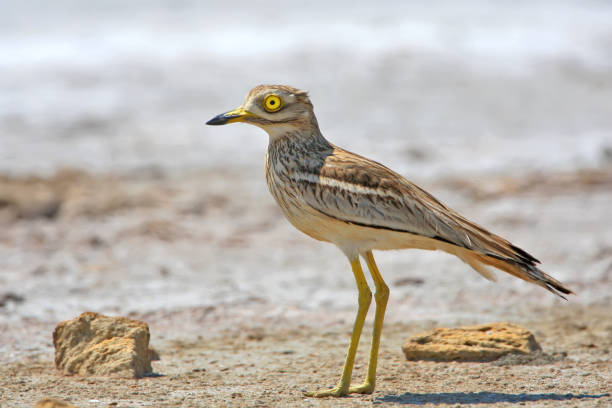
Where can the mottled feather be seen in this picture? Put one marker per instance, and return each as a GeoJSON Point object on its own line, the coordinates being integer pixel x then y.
{"type": "Point", "coordinates": [315, 183]}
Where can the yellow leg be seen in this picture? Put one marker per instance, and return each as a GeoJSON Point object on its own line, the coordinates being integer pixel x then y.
{"type": "Point", "coordinates": [365, 298]}
{"type": "Point", "coordinates": [381, 296]}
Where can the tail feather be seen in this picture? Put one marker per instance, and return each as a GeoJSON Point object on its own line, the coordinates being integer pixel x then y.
{"type": "Point", "coordinates": [525, 271]}
{"type": "Point", "coordinates": [481, 250]}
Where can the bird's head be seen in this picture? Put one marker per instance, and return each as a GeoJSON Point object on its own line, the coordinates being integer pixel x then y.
{"type": "Point", "coordinates": [275, 108]}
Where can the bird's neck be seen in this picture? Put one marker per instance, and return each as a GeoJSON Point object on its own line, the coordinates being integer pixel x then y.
{"type": "Point", "coordinates": [293, 136]}
{"type": "Point", "coordinates": [304, 132]}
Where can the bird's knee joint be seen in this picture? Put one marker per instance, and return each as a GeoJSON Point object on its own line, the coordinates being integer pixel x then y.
{"type": "Point", "coordinates": [382, 294]}
{"type": "Point", "coordinates": [365, 297]}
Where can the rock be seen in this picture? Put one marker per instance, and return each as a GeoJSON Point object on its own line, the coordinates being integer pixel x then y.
{"type": "Point", "coordinates": [93, 344]}
{"type": "Point", "coordinates": [486, 342]}
{"type": "Point", "coordinates": [53, 403]}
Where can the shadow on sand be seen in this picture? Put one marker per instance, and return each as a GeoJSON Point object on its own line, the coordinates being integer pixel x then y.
{"type": "Point", "coordinates": [479, 398]}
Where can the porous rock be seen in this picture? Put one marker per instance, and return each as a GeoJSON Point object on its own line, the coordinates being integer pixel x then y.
{"type": "Point", "coordinates": [94, 344]}
{"type": "Point", "coordinates": [486, 342]}
{"type": "Point", "coordinates": [53, 403]}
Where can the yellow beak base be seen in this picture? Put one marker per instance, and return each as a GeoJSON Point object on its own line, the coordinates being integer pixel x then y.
{"type": "Point", "coordinates": [236, 115]}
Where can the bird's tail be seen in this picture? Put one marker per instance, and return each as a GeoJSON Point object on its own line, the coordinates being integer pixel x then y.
{"type": "Point", "coordinates": [523, 270]}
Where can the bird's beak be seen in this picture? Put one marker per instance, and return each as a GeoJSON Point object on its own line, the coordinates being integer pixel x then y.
{"type": "Point", "coordinates": [237, 115]}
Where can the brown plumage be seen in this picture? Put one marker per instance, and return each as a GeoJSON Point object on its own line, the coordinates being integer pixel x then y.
{"type": "Point", "coordinates": [360, 205]}
{"type": "Point", "coordinates": [417, 211]}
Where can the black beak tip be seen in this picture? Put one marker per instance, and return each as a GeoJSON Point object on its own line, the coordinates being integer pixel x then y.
{"type": "Point", "coordinates": [217, 120]}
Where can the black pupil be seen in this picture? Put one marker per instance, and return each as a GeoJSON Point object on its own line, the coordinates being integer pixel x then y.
{"type": "Point", "coordinates": [272, 102]}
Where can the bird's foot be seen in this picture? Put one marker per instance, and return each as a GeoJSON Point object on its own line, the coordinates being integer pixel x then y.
{"type": "Point", "coordinates": [365, 388]}
{"type": "Point", "coordinates": [337, 391]}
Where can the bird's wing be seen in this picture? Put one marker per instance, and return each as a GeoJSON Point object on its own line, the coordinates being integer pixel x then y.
{"type": "Point", "coordinates": [352, 188]}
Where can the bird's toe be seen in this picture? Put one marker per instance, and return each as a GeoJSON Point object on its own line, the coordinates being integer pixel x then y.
{"type": "Point", "coordinates": [332, 392]}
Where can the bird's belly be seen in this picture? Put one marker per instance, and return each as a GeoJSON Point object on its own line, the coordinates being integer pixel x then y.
{"type": "Point", "coordinates": [362, 238]}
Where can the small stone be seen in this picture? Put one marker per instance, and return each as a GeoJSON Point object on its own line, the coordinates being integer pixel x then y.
{"type": "Point", "coordinates": [53, 403]}
{"type": "Point", "coordinates": [486, 342]}
{"type": "Point", "coordinates": [94, 344]}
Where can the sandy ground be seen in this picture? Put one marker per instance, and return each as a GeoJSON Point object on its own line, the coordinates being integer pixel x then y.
{"type": "Point", "coordinates": [272, 364]}
{"type": "Point", "coordinates": [243, 313]}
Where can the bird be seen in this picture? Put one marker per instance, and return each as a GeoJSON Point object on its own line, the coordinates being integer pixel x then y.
{"type": "Point", "coordinates": [359, 205]}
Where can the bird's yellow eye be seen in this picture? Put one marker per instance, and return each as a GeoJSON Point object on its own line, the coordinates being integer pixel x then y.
{"type": "Point", "coordinates": [273, 103]}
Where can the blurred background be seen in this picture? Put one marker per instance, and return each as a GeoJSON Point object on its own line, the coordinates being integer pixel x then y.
{"type": "Point", "coordinates": [115, 197]}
